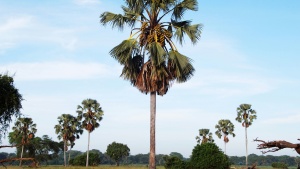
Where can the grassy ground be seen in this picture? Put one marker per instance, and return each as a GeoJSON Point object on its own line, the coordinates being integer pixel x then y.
{"type": "Point", "coordinates": [125, 167]}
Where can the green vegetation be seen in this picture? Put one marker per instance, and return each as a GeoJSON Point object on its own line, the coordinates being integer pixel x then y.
{"type": "Point", "coordinates": [245, 115]}
{"type": "Point", "coordinates": [225, 128]}
{"type": "Point", "coordinates": [204, 136]}
{"type": "Point", "coordinates": [117, 151]}
{"type": "Point", "coordinates": [150, 59]}
{"type": "Point", "coordinates": [10, 103]}
{"type": "Point", "coordinates": [279, 165]}
{"type": "Point", "coordinates": [24, 128]}
{"type": "Point", "coordinates": [90, 113]}
{"type": "Point", "coordinates": [209, 156]}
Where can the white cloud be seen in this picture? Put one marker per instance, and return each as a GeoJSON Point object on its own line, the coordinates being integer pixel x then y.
{"type": "Point", "coordinates": [15, 23]}
{"type": "Point", "coordinates": [57, 70]}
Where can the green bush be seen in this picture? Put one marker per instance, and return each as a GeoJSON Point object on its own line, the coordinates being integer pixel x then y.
{"type": "Point", "coordinates": [80, 160]}
{"type": "Point", "coordinates": [173, 162]}
{"type": "Point", "coordinates": [279, 165]}
{"type": "Point", "coordinates": [209, 156]}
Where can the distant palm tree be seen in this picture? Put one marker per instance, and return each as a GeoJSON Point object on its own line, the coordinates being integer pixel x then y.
{"type": "Point", "coordinates": [245, 115]}
{"type": "Point", "coordinates": [150, 59]}
{"type": "Point", "coordinates": [205, 136]}
{"type": "Point", "coordinates": [25, 128]}
{"type": "Point", "coordinates": [225, 128]}
{"type": "Point", "coordinates": [68, 129]}
{"type": "Point", "coordinates": [91, 113]}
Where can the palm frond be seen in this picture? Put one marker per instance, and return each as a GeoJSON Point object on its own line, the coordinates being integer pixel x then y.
{"type": "Point", "coordinates": [116, 20]}
{"type": "Point", "coordinates": [180, 66]}
{"type": "Point", "coordinates": [184, 28]}
{"type": "Point", "coordinates": [124, 51]}
{"type": "Point", "coordinates": [157, 53]}
{"type": "Point", "coordinates": [183, 6]}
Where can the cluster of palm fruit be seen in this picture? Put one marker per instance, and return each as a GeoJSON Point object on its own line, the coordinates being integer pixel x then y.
{"type": "Point", "coordinates": [157, 34]}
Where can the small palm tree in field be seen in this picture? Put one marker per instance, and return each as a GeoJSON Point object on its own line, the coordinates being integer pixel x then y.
{"type": "Point", "coordinates": [245, 115]}
{"type": "Point", "coordinates": [91, 113]}
{"type": "Point", "coordinates": [68, 129]}
{"type": "Point", "coordinates": [25, 128]}
{"type": "Point", "coordinates": [224, 128]}
{"type": "Point", "coordinates": [205, 136]}
{"type": "Point", "coordinates": [150, 59]}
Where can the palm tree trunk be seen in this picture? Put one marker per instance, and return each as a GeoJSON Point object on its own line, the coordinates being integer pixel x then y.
{"type": "Point", "coordinates": [225, 148]}
{"type": "Point", "coordinates": [246, 146]}
{"type": "Point", "coordinates": [21, 155]}
{"type": "Point", "coordinates": [152, 164]}
{"type": "Point", "coordinates": [87, 152]}
{"type": "Point", "coordinates": [69, 156]}
{"type": "Point", "coordinates": [65, 161]}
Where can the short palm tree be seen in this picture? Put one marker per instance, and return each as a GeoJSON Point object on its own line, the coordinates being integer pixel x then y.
{"type": "Point", "coordinates": [68, 129]}
{"type": "Point", "coordinates": [224, 128]}
{"type": "Point", "coordinates": [245, 115]}
{"type": "Point", "coordinates": [150, 58]}
{"type": "Point", "coordinates": [25, 128]}
{"type": "Point", "coordinates": [91, 113]}
{"type": "Point", "coordinates": [204, 136]}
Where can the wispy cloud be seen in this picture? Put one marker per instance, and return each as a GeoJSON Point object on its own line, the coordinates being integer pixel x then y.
{"type": "Point", "coordinates": [12, 24]}
{"type": "Point", "coordinates": [57, 70]}
{"type": "Point", "coordinates": [228, 84]}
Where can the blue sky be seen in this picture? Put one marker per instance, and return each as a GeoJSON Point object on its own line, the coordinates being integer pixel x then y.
{"type": "Point", "coordinates": [248, 53]}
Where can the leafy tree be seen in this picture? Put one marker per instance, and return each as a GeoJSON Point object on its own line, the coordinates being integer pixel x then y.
{"type": "Point", "coordinates": [68, 129]}
{"type": "Point", "coordinates": [245, 115]}
{"type": "Point", "coordinates": [205, 136]}
{"type": "Point", "coordinates": [209, 156]}
{"type": "Point", "coordinates": [24, 128]}
{"type": "Point", "coordinates": [80, 160]}
{"type": "Point", "coordinates": [150, 59]}
{"type": "Point", "coordinates": [225, 128]}
{"type": "Point", "coordinates": [10, 103]}
{"type": "Point", "coordinates": [117, 151]}
{"type": "Point", "coordinates": [91, 113]}
{"type": "Point", "coordinates": [44, 149]}
{"type": "Point", "coordinates": [175, 154]}
{"type": "Point", "coordinates": [174, 162]}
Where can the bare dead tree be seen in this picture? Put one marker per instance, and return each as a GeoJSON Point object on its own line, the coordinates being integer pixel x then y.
{"type": "Point", "coordinates": [277, 145]}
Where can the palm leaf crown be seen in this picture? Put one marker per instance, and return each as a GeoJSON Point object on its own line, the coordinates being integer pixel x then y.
{"type": "Point", "coordinates": [154, 38]}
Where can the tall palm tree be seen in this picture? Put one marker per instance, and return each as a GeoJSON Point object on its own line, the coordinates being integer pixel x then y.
{"type": "Point", "coordinates": [68, 129]}
{"type": "Point", "coordinates": [205, 136]}
{"type": "Point", "coordinates": [25, 128]}
{"type": "Point", "coordinates": [150, 59]}
{"type": "Point", "coordinates": [91, 113]}
{"type": "Point", "coordinates": [245, 115]}
{"type": "Point", "coordinates": [225, 128]}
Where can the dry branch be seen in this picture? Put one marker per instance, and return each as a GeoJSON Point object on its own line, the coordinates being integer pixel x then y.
{"type": "Point", "coordinates": [277, 145]}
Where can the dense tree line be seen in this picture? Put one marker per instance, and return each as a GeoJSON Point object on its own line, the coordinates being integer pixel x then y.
{"type": "Point", "coordinates": [143, 159]}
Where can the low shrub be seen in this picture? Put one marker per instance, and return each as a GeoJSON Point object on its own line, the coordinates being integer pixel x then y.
{"type": "Point", "coordinates": [280, 165]}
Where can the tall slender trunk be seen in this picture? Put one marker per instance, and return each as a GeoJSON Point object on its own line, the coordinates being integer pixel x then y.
{"type": "Point", "coordinates": [69, 155]}
{"type": "Point", "coordinates": [65, 159]}
{"type": "Point", "coordinates": [152, 164]}
{"type": "Point", "coordinates": [246, 146]}
{"type": "Point", "coordinates": [225, 147]}
{"type": "Point", "coordinates": [87, 152]}
{"type": "Point", "coordinates": [21, 155]}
